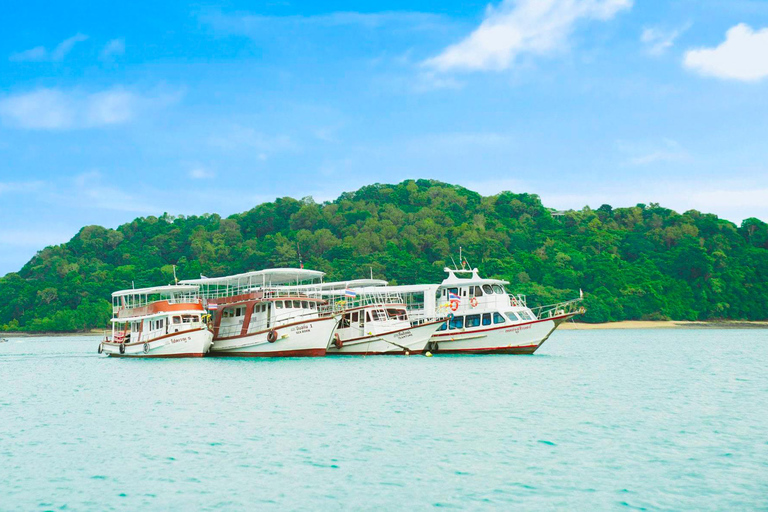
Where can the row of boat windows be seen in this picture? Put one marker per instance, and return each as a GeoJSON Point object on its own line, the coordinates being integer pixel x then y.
{"type": "Point", "coordinates": [460, 322]}
{"type": "Point", "coordinates": [161, 323]}
{"type": "Point", "coordinates": [377, 315]}
{"type": "Point", "coordinates": [475, 291]}
{"type": "Point", "coordinates": [262, 308]}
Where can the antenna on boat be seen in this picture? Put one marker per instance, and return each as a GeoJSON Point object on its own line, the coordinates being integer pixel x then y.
{"type": "Point", "coordinates": [461, 259]}
{"type": "Point", "coordinates": [371, 273]}
{"type": "Point", "coordinates": [455, 266]}
{"type": "Point", "coordinates": [175, 279]}
{"type": "Point", "coordinates": [298, 250]}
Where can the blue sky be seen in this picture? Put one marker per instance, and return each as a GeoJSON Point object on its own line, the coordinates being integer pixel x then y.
{"type": "Point", "coordinates": [109, 111]}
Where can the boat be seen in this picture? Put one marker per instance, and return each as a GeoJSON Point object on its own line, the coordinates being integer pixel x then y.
{"type": "Point", "coordinates": [267, 313]}
{"type": "Point", "coordinates": [374, 320]}
{"type": "Point", "coordinates": [162, 321]}
{"type": "Point", "coordinates": [483, 316]}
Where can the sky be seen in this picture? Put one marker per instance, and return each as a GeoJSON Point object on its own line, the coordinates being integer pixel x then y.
{"type": "Point", "coordinates": [114, 110]}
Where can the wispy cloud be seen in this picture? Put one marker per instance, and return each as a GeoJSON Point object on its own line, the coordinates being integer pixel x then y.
{"type": "Point", "coordinates": [56, 109]}
{"type": "Point", "coordinates": [640, 154]}
{"type": "Point", "coordinates": [658, 40]}
{"type": "Point", "coordinates": [517, 27]}
{"type": "Point", "coordinates": [41, 54]}
{"type": "Point", "coordinates": [255, 25]}
{"type": "Point", "coordinates": [113, 48]}
{"type": "Point", "coordinates": [18, 187]}
{"type": "Point", "coordinates": [238, 136]}
{"type": "Point", "coordinates": [742, 56]}
{"type": "Point", "coordinates": [201, 173]}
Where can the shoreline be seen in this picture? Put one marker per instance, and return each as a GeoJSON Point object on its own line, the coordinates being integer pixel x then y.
{"type": "Point", "coordinates": [665, 324]}
{"type": "Point", "coordinates": [568, 326]}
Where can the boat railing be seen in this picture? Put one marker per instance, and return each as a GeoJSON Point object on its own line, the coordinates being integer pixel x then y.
{"type": "Point", "coordinates": [518, 300]}
{"type": "Point", "coordinates": [569, 307]}
{"type": "Point", "coordinates": [340, 303]}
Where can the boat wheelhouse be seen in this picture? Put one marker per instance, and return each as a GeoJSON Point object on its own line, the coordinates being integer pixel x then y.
{"type": "Point", "coordinates": [267, 313]}
{"type": "Point", "coordinates": [374, 320]}
{"type": "Point", "coordinates": [163, 321]}
{"type": "Point", "coordinates": [483, 316]}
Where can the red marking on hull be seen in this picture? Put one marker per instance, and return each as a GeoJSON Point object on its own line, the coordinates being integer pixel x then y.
{"type": "Point", "coordinates": [526, 349]}
{"type": "Point", "coordinates": [456, 332]}
{"type": "Point", "coordinates": [397, 353]}
{"type": "Point", "coordinates": [309, 352]}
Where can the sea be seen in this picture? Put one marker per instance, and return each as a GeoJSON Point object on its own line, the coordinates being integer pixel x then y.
{"type": "Point", "coordinates": [596, 420]}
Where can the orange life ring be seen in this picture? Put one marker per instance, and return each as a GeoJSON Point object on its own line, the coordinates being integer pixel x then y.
{"type": "Point", "coordinates": [272, 336]}
{"type": "Point", "coordinates": [337, 341]}
{"type": "Point", "coordinates": [473, 302]}
{"type": "Point", "coordinates": [454, 305]}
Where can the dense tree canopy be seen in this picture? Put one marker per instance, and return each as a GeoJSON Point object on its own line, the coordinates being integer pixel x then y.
{"type": "Point", "coordinates": [643, 262]}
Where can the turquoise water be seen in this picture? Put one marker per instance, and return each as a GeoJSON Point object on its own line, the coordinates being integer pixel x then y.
{"type": "Point", "coordinates": [602, 419]}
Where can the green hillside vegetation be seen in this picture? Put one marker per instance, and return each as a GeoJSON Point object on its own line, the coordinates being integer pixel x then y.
{"type": "Point", "coordinates": [643, 262]}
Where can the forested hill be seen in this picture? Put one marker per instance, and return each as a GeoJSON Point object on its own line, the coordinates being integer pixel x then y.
{"type": "Point", "coordinates": [643, 262]}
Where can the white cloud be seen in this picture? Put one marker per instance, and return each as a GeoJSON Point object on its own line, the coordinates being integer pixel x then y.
{"type": "Point", "coordinates": [742, 56]}
{"type": "Point", "coordinates": [40, 54]}
{"type": "Point", "coordinates": [18, 187]}
{"type": "Point", "coordinates": [112, 48]}
{"type": "Point", "coordinates": [56, 109]}
{"type": "Point", "coordinates": [657, 41]}
{"type": "Point", "coordinates": [522, 26]}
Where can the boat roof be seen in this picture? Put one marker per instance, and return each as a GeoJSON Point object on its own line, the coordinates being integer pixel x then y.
{"type": "Point", "coordinates": [343, 285]}
{"type": "Point", "coordinates": [266, 277]}
{"type": "Point", "coordinates": [162, 290]}
{"type": "Point", "coordinates": [474, 278]}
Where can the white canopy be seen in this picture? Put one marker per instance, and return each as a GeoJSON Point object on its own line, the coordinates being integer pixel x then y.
{"type": "Point", "coordinates": [267, 277]}
{"type": "Point", "coordinates": [161, 290]}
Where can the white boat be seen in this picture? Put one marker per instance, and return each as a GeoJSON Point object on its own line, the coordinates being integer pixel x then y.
{"type": "Point", "coordinates": [163, 321]}
{"type": "Point", "coordinates": [267, 313]}
{"type": "Point", "coordinates": [374, 320]}
{"type": "Point", "coordinates": [484, 317]}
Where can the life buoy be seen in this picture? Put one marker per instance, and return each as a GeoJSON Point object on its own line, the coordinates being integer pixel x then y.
{"type": "Point", "coordinates": [146, 348]}
{"type": "Point", "coordinates": [272, 336]}
{"type": "Point", "coordinates": [101, 348]}
{"type": "Point", "coordinates": [473, 302]}
{"type": "Point", "coordinates": [454, 305]}
{"type": "Point", "coordinates": [122, 348]}
{"type": "Point", "coordinates": [337, 342]}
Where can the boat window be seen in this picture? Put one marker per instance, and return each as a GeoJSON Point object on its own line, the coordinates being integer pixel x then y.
{"type": "Point", "coordinates": [525, 315]}
{"type": "Point", "coordinates": [487, 289]}
{"type": "Point", "coordinates": [367, 316]}
{"type": "Point", "coordinates": [486, 319]}
{"type": "Point", "coordinates": [498, 319]}
{"type": "Point", "coordinates": [478, 291]}
{"type": "Point", "coordinates": [512, 316]}
{"type": "Point", "coordinates": [463, 292]}
{"type": "Point", "coordinates": [443, 327]}
{"type": "Point", "coordinates": [379, 316]}
{"type": "Point", "coordinates": [473, 321]}
{"type": "Point", "coordinates": [279, 304]}
{"type": "Point", "coordinates": [177, 319]}
{"type": "Point", "coordinates": [344, 322]}
{"type": "Point", "coordinates": [304, 304]}
{"type": "Point", "coordinates": [498, 289]}
{"type": "Point", "coordinates": [457, 322]}
{"type": "Point", "coordinates": [313, 305]}
{"type": "Point", "coordinates": [297, 304]}
{"type": "Point", "coordinates": [454, 291]}
{"type": "Point", "coordinates": [471, 291]}
{"type": "Point", "coordinates": [355, 316]}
